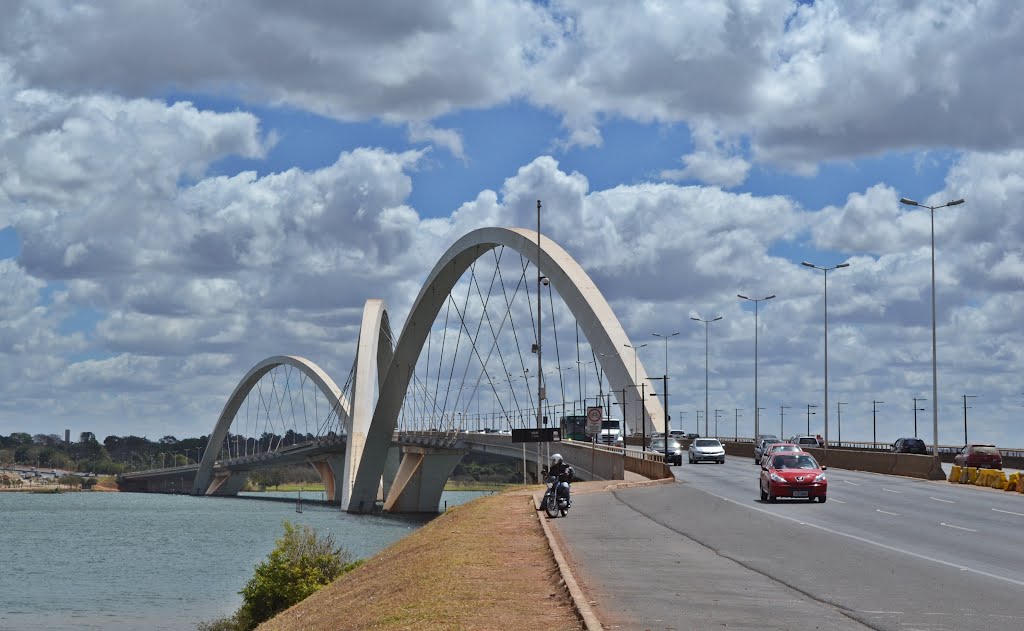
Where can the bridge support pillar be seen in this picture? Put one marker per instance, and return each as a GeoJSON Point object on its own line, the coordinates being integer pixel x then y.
{"type": "Point", "coordinates": [391, 464]}
{"type": "Point", "coordinates": [228, 483]}
{"type": "Point", "coordinates": [332, 473]}
{"type": "Point", "coordinates": [420, 479]}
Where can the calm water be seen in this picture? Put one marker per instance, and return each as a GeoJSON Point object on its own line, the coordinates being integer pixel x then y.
{"type": "Point", "coordinates": [125, 561]}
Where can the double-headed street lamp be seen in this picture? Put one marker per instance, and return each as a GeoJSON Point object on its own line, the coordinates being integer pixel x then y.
{"type": "Point", "coordinates": [664, 391]}
{"type": "Point", "coordinates": [757, 416]}
{"type": "Point", "coordinates": [916, 410]}
{"type": "Point", "coordinates": [706, 322]}
{"type": "Point", "coordinates": [826, 270]}
{"type": "Point", "coordinates": [936, 466]}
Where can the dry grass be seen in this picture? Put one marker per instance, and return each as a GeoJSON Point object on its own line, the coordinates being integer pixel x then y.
{"type": "Point", "coordinates": [482, 565]}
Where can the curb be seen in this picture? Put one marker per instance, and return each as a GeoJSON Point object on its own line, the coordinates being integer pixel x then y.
{"type": "Point", "coordinates": [576, 595]}
{"type": "Point", "coordinates": [579, 600]}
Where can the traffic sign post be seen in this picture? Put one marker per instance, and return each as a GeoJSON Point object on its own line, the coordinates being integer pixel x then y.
{"type": "Point", "coordinates": [594, 416]}
{"type": "Point", "coordinates": [543, 435]}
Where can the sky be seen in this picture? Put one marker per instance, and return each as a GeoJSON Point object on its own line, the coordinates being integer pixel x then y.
{"type": "Point", "coordinates": [187, 188]}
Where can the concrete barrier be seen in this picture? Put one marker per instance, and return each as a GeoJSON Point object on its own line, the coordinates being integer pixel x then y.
{"type": "Point", "coordinates": [1012, 481]}
{"type": "Point", "coordinates": [913, 466]}
{"type": "Point", "coordinates": [954, 474]}
{"type": "Point", "coordinates": [653, 469]}
{"type": "Point", "coordinates": [745, 450]}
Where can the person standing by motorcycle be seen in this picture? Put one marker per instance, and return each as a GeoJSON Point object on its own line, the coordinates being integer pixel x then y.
{"type": "Point", "coordinates": [563, 474]}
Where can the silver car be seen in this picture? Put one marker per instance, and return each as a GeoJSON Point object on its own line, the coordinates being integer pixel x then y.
{"type": "Point", "coordinates": [763, 446]}
{"type": "Point", "coordinates": [706, 449]}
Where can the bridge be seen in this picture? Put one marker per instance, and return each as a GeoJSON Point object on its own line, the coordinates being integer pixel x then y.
{"type": "Point", "coordinates": [401, 421]}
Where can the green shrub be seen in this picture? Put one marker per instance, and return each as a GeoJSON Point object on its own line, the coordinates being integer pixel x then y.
{"type": "Point", "coordinates": [301, 563]}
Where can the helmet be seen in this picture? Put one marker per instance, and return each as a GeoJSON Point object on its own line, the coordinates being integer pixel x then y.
{"type": "Point", "coordinates": [556, 459]}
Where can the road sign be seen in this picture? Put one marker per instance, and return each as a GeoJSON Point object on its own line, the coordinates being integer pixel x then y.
{"type": "Point", "coordinates": [594, 415]}
{"type": "Point", "coordinates": [545, 435]}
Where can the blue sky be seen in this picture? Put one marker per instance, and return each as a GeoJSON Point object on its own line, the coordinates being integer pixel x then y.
{"type": "Point", "coordinates": [706, 147]}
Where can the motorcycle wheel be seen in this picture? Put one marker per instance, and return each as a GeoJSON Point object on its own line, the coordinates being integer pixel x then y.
{"type": "Point", "coordinates": [564, 511]}
{"type": "Point", "coordinates": [551, 505]}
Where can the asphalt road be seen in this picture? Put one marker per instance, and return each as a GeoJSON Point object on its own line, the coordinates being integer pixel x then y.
{"type": "Point", "coordinates": [884, 552]}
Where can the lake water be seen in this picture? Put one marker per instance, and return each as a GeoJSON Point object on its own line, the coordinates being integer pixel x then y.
{"type": "Point", "coordinates": [126, 561]}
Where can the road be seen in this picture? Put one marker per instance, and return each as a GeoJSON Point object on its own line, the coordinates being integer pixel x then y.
{"type": "Point", "coordinates": [884, 552]}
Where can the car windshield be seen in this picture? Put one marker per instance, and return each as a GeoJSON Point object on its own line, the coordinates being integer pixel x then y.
{"type": "Point", "coordinates": [657, 443]}
{"type": "Point", "coordinates": [988, 451]}
{"type": "Point", "coordinates": [707, 442]}
{"type": "Point", "coordinates": [769, 441]}
{"type": "Point", "coordinates": [914, 442]}
{"type": "Point", "coordinates": [802, 461]}
{"type": "Point", "coordinates": [776, 448]}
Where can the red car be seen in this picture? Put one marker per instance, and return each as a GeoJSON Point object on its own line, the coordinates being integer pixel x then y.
{"type": "Point", "coordinates": [796, 475]}
{"type": "Point", "coordinates": [982, 456]}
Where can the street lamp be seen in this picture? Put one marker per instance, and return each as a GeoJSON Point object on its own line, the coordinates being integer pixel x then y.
{"type": "Point", "coordinates": [809, 412]}
{"type": "Point", "coordinates": [757, 415]}
{"type": "Point", "coordinates": [706, 322]}
{"type": "Point", "coordinates": [643, 429]}
{"type": "Point", "coordinates": [936, 467]}
{"type": "Point", "coordinates": [916, 410]}
{"type": "Point", "coordinates": [826, 270]}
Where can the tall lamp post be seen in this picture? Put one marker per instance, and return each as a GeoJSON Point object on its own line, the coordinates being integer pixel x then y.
{"type": "Point", "coordinates": [916, 410]}
{"type": "Point", "coordinates": [757, 415]}
{"type": "Point", "coordinates": [826, 270]}
{"type": "Point", "coordinates": [936, 466]}
{"type": "Point", "coordinates": [874, 423]}
{"type": "Point", "coordinates": [706, 323]}
{"type": "Point", "coordinates": [643, 438]}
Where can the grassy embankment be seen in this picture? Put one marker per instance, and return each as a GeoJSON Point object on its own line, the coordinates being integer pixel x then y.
{"type": "Point", "coordinates": [481, 565]}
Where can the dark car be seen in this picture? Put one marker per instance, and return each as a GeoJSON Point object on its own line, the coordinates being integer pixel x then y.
{"type": "Point", "coordinates": [675, 451]}
{"type": "Point", "coordinates": [909, 446]}
{"type": "Point", "coordinates": [693, 435]}
{"type": "Point", "coordinates": [981, 456]}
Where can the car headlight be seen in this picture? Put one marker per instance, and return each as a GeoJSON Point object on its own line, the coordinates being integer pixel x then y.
{"type": "Point", "coordinates": [776, 477]}
{"type": "Point", "coordinates": [821, 478]}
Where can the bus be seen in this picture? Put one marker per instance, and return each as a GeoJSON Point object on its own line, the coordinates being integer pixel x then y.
{"type": "Point", "coordinates": [574, 427]}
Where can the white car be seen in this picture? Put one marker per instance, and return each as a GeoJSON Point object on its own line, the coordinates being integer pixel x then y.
{"type": "Point", "coordinates": [706, 449]}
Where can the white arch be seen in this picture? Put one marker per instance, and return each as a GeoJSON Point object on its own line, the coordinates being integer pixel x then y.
{"type": "Point", "coordinates": [585, 301]}
{"type": "Point", "coordinates": [326, 385]}
{"type": "Point", "coordinates": [373, 356]}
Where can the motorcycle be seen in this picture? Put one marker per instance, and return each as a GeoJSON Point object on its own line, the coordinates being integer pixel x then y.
{"type": "Point", "coordinates": [556, 498]}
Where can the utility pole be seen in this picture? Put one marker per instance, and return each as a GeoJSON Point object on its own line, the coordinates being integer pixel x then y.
{"type": "Point", "coordinates": [967, 396]}
{"type": "Point", "coordinates": [664, 392]}
{"type": "Point", "coordinates": [809, 406]}
{"type": "Point", "coordinates": [839, 417]}
{"type": "Point", "coordinates": [717, 412]}
{"type": "Point", "coordinates": [782, 421]}
{"type": "Point", "coordinates": [736, 428]}
{"type": "Point", "coordinates": [874, 423]}
{"type": "Point", "coordinates": [698, 424]}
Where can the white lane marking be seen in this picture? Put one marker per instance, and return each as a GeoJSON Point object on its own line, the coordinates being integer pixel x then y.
{"type": "Point", "coordinates": [837, 501]}
{"type": "Point", "coordinates": [887, 512]}
{"type": "Point", "coordinates": [890, 490]}
{"type": "Point", "coordinates": [877, 544]}
{"type": "Point", "coordinates": [939, 499]}
{"type": "Point", "coordinates": [958, 528]}
{"type": "Point", "coordinates": [853, 483]}
{"type": "Point", "coordinates": [1008, 512]}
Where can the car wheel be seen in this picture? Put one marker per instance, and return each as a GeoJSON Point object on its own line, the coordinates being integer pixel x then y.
{"type": "Point", "coordinates": [764, 496]}
{"type": "Point", "coordinates": [822, 499]}
{"type": "Point", "coordinates": [771, 498]}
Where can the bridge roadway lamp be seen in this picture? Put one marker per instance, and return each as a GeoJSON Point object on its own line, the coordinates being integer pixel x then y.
{"type": "Point", "coordinates": [643, 438]}
{"type": "Point", "coordinates": [757, 410]}
{"type": "Point", "coordinates": [706, 322]}
{"type": "Point", "coordinates": [936, 466]}
{"type": "Point", "coordinates": [826, 270]}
